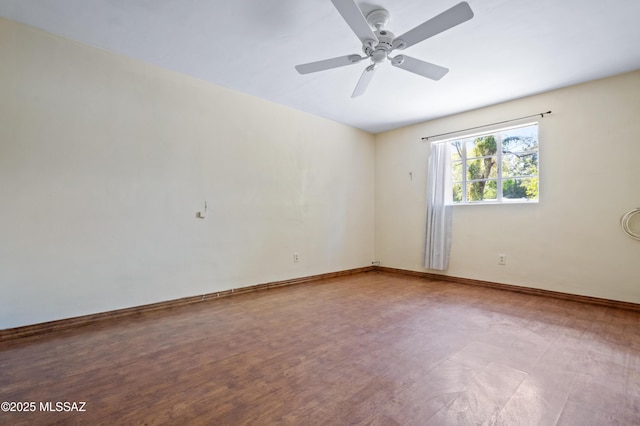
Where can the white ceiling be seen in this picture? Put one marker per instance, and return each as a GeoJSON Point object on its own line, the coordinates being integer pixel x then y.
{"type": "Point", "coordinates": [510, 49]}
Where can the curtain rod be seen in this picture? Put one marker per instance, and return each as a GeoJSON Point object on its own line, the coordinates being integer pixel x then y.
{"type": "Point", "coordinates": [541, 114]}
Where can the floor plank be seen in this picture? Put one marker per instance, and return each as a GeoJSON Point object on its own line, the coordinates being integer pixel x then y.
{"type": "Point", "coordinates": [373, 348]}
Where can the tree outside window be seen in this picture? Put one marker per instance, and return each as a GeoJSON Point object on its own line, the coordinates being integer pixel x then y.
{"type": "Point", "coordinates": [501, 166]}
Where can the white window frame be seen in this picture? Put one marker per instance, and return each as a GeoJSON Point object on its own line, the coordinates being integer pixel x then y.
{"type": "Point", "coordinates": [497, 133]}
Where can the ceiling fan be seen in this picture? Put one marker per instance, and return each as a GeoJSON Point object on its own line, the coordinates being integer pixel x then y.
{"type": "Point", "coordinates": [378, 43]}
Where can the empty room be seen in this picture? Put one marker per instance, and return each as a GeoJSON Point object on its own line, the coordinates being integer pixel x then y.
{"type": "Point", "coordinates": [320, 212]}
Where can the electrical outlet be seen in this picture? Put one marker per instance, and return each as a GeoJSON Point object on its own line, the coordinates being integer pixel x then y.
{"type": "Point", "coordinates": [502, 259]}
{"type": "Point", "coordinates": [296, 257]}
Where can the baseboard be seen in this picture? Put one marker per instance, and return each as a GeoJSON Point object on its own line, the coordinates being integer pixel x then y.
{"type": "Point", "coordinates": [67, 323]}
{"type": "Point", "coordinates": [514, 288]}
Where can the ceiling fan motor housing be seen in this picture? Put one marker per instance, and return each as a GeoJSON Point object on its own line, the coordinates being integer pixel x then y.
{"type": "Point", "coordinates": [379, 51]}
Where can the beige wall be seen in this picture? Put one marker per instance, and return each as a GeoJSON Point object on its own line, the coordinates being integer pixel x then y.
{"type": "Point", "coordinates": [571, 241]}
{"type": "Point", "coordinates": [104, 162]}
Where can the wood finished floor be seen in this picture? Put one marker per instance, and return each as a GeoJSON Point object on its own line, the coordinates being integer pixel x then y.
{"type": "Point", "coordinates": [372, 348]}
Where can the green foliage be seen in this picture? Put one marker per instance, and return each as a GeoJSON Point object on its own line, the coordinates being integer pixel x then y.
{"type": "Point", "coordinates": [457, 192]}
{"type": "Point", "coordinates": [513, 188]}
{"type": "Point", "coordinates": [480, 168]}
{"type": "Point", "coordinates": [483, 190]}
{"type": "Point", "coordinates": [532, 186]}
{"type": "Point", "coordinates": [474, 169]}
{"type": "Point", "coordinates": [485, 146]}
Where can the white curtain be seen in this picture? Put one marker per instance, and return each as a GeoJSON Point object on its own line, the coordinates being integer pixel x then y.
{"type": "Point", "coordinates": [439, 208]}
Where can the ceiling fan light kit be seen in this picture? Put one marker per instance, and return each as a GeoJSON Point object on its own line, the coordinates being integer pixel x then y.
{"type": "Point", "coordinates": [378, 43]}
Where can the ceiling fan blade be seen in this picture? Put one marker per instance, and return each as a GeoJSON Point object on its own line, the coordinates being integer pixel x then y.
{"type": "Point", "coordinates": [364, 81]}
{"type": "Point", "coordinates": [328, 64]}
{"type": "Point", "coordinates": [355, 19]}
{"type": "Point", "coordinates": [416, 66]}
{"type": "Point", "coordinates": [448, 19]}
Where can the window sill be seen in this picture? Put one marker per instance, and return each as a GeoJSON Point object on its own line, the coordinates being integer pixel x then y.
{"type": "Point", "coordinates": [494, 203]}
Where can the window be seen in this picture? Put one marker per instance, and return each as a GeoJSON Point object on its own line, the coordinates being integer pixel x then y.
{"type": "Point", "coordinates": [497, 167]}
